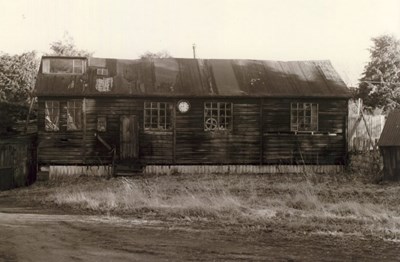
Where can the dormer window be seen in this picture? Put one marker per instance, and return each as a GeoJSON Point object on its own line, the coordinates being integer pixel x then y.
{"type": "Point", "coordinates": [67, 66]}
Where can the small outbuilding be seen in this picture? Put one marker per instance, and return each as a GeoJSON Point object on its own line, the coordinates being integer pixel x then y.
{"type": "Point", "coordinates": [389, 145]}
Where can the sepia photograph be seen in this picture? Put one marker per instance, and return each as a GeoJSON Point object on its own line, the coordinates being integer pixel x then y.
{"type": "Point", "coordinates": [199, 130]}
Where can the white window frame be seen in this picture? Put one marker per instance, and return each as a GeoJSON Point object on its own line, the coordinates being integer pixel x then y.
{"type": "Point", "coordinates": [218, 116]}
{"type": "Point", "coordinates": [47, 70]}
{"type": "Point", "coordinates": [304, 117]}
{"type": "Point", "coordinates": [161, 112]}
{"type": "Point", "coordinates": [74, 112]}
{"type": "Point", "coordinates": [52, 116]}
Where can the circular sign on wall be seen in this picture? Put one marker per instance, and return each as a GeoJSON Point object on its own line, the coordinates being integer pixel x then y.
{"type": "Point", "coordinates": [183, 106]}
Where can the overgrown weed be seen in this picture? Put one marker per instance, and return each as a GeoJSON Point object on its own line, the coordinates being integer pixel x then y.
{"type": "Point", "coordinates": [308, 202]}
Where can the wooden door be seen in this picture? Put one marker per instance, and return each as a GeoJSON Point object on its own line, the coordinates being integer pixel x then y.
{"type": "Point", "coordinates": [129, 137]}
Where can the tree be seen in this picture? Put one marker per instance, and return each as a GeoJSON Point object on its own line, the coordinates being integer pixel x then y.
{"type": "Point", "coordinates": [150, 55]}
{"type": "Point", "coordinates": [380, 83]}
{"type": "Point", "coordinates": [66, 47]}
{"type": "Point", "coordinates": [17, 81]}
{"type": "Point", "coordinates": [17, 77]}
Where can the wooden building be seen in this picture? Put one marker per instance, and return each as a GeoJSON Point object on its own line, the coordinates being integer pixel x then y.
{"type": "Point", "coordinates": [190, 112]}
{"type": "Point", "coordinates": [389, 145]}
{"type": "Point", "coordinates": [17, 160]}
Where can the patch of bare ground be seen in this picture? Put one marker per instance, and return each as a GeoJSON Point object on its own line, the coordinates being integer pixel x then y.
{"type": "Point", "coordinates": [341, 214]}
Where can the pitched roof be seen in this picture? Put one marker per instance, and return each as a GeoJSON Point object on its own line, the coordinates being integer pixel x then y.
{"type": "Point", "coordinates": [179, 77]}
{"type": "Point", "coordinates": [391, 131]}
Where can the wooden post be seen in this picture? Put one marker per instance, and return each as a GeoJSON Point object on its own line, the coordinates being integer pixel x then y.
{"type": "Point", "coordinates": [114, 155]}
{"type": "Point", "coordinates": [368, 132]}
{"type": "Point", "coordinates": [28, 116]}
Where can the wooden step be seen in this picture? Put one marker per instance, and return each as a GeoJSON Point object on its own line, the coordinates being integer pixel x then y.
{"type": "Point", "coordinates": [119, 174]}
{"type": "Point", "coordinates": [128, 170]}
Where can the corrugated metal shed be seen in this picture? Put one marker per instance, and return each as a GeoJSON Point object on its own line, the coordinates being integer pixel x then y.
{"type": "Point", "coordinates": [391, 132]}
{"type": "Point", "coordinates": [179, 77]}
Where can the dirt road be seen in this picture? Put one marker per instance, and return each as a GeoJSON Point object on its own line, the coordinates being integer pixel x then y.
{"type": "Point", "coordinates": [42, 235]}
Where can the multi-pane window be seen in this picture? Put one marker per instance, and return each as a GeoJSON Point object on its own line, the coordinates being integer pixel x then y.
{"type": "Point", "coordinates": [101, 124]}
{"type": "Point", "coordinates": [63, 66]}
{"type": "Point", "coordinates": [304, 117]}
{"type": "Point", "coordinates": [217, 116]}
{"type": "Point", "coordinates": [157, 116]}
{"type": "Point", "coordinates": [52, 115]}
{"type": "Point", "coordinates": [74, 115]}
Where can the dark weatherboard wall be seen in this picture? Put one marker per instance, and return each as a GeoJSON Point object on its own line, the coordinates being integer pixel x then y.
{"type": "Point", "coordinates": [260, 133]}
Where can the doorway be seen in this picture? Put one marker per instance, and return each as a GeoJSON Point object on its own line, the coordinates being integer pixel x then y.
{"type": "Point", "coordinates": [129, 137]}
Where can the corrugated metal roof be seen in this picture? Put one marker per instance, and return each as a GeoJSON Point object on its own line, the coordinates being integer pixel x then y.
{"type": "Point", "coordinates": [391, 131]}
{"type": "Point", "coordinates": [179, 77]}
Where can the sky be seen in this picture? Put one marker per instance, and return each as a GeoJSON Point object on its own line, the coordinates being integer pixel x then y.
{"type": "Point", "coordinates": [336, 30]}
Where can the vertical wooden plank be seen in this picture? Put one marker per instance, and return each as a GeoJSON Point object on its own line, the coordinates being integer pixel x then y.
{"type": "Point", "coordinates": [84, 129]}
{"type": "Point", "coordinates": [346, 134]}
{"type": "Point", "coordinates": [124, 132]}
{"type": "Point", "coordinates": [261, 126]}
{"type": "Point", "coordinates": [174, 131]}
{"type": "Point", "coordinates": [135, 137]}
{"type": "Point", "coordinates": [129, 135]}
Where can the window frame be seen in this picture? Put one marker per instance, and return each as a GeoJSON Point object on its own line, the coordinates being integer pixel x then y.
{"type": "Point", "coordinates": [216, 106]}
{"type": "Point", "coordinates": [75, 101]}
{"type": "Point", "coordinates": [158, 107]}
{"type": "Point", "coordinates": [313, 110]}
{"type": "Point", "coordinates": [102, 71]}
{"type": "Point", "coordinates": [47, 113]}
{"type": "Point", "coordinates": [47, 61]}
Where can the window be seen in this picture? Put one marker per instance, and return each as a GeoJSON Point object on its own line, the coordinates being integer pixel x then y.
{"type": "Point", "coordinates": [63, 66]}
{"type": "Point", "coordinates": [102, 71]}
{"type": "Point", "coordinates": [304, 117]}
{"type": "Point", "coordinates": [157, 116]}
{"type": "Point", "coordinates": [101, 124]}
{"type": "Point", "coordinates": [74, 115]}
{"type": "Point", "coordinates": [217, 116]}
{"type": "Point", "coordinates": [52, 115]}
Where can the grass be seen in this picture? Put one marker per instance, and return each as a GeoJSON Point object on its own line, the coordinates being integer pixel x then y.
{"type": "Point", "coordinates": [338, 205]}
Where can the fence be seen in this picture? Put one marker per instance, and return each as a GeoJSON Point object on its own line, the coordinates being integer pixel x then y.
{"type": "Point", "coordinates": [17, 161]}
{"type": "Point", "coordinates": [367, 131]}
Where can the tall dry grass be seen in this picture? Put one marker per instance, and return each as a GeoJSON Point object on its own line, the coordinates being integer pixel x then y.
{"type": "Point", "coordinates": [303, 203]}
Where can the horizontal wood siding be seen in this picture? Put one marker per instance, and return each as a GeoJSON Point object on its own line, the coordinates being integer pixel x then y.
{"type": "Point", "coordinates": [239, 145]}
{"type": "Point", "coordinates": [67, 147]}
{"type": "Point", "coordinates": [58, 146]}
{"type": "Point", "coordinates": [154, 147]}
{"type": "Point", "coordinates": [188, 143]}
{"type": "Point", "coordinates": [326, 146]}
{"type": "Point", "coordinates": [303, 149]}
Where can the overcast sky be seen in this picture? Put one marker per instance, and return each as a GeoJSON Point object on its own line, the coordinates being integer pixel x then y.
{"type": "Point", "coordinates": [338, 30]}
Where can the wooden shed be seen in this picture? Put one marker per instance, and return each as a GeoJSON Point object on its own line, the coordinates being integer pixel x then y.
{"type": "Point", "coordinates": [389, 145]}
{"type": "Point", "coordinates": [17, 160]}
{"type": "Point", "coordinates": [190, 112]}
